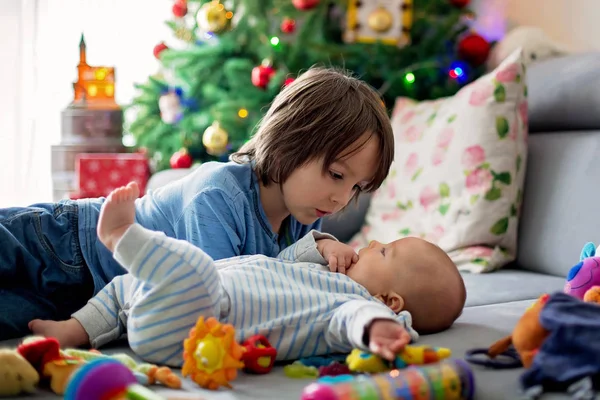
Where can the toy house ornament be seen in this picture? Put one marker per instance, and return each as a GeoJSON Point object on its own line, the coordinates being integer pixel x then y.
{"type": "Point", "coordinates": [95, 86]}
{"type": "Point", "coordinates": [385, 21]}
{"type": "Point", "coordinates": [92, 123]}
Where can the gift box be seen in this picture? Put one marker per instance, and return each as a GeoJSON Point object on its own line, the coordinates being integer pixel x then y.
{"type": "Point", "coordinates": [100, 173]}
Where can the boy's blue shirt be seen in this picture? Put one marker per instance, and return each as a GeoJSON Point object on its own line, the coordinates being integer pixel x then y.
{"type": "Point", "coordinates": [216, 207]}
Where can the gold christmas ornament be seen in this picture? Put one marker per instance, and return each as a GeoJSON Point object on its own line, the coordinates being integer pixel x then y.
{"type": "Point", "coordinates": [213, 17]}
{"type": "Point", "coordinates": [380, 20]}
{"type": "Point", "coordinates": [215, 139]}
{"type": "Point", "coordinates": [384, 21]}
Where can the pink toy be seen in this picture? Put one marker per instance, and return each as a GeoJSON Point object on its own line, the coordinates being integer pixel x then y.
{"type": "Point", "coordinates": [585, 274]}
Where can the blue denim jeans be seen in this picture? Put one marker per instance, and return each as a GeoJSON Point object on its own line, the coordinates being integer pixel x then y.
{"type": "Point", "coordinates": [42, 270]}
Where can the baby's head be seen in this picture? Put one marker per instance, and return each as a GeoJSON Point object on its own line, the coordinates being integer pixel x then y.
{"type": "Point", "coordinates": [414, 275]}
{"type": "Point", "coordinates": [325, 115]}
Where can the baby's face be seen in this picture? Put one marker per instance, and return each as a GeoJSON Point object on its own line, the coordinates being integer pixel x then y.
{"type": "Point", "coordinates": [378, 267]}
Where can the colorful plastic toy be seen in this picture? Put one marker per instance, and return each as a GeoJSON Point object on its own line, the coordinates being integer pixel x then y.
{"type": "Point", "coordinates": [447, 380]}
{"type": "Point", "coordinates": [259, 356]}
{"type": "Point", "coordinates": [361, 361]}
{"type": "Point", "coordinates": [334, 369]}
{"type": "Point", "coordinates": [106, 379]}
{"type": "Point", "coordinates": [321, 361]}
{"type": "Point", "coordinates": [45, 356]}
{"type": "Point", "coordinates": [585, 274]}
{"type": "Point", "coordinates": [211, 354]}
{"type": "Point", "coordinates": [298, 370]}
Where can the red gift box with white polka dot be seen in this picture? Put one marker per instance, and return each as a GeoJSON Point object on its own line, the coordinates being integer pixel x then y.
{"type": "Point", "coordinates": [100, 173]}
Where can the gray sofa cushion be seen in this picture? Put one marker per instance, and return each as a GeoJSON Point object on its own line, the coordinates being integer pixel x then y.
{"type": "Point", "coordinates": [561, 211]}
{"type": "Point", "coordinates": [564, 93]}
{"type": "Point", "coordinates": [508, 285]}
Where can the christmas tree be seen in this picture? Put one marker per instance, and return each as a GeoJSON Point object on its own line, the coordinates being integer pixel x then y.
{"type": "Point", "coordinates": [237, 55]}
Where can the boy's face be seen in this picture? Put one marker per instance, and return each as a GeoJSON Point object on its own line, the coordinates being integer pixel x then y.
{"type": "Point", "coordinates": [309, 193]}
{"type": "Point", "coordinates": [378, 267]}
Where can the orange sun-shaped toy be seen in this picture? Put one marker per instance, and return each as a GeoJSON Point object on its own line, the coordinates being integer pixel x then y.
{"type": "Point", "coordinates": [211, 354]}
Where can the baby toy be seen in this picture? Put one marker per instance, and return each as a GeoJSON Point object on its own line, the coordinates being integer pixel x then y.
{"type": "Point", "coordinates": [585, 274]}
{"type": "Point", "coordinates": [361, 361]}
{"type": "Point", "coordinates": [321, 361]}
{"type": "Point", "coordinates": [297, 370]}
{"type": "Point", "coordinates": [146, 374]}
{"type": "Point", "coordinates": [45, 356]}
{"type": "Point", "coordinates": [211, 354]}
{"type": "Point", "coordinates": [57, 366]}
{"type": "Point", "coordinates": [558, 344]}
{"type": "Point", "coordinates": [106, 379]}
{"type": "Point", "coordinates": [334, 369]}
{"type": "Point", "coordinates": [259, 355]}
{"type": "Point", "coordinates": [527, 336]}
{"type": "Point", "coordinates": [446, 380]}
{"type": "Point", "coordinates": [16, 374]}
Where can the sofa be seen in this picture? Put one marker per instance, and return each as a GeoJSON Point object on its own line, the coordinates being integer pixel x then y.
{"type": "Point", "coordinates": [558, 218]}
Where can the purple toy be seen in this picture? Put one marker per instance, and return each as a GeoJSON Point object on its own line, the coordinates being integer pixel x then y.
{"type": "Point", "coordinates": [585, 274]}
{"type": "Point", "coordinates": [106, 379]}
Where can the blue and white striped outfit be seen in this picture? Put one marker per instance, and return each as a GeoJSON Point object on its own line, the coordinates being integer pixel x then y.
{"type": "Point", "coordinates": [295, 301]}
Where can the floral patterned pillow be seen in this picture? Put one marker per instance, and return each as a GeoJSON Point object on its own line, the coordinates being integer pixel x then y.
{"type": "Point", "coordinates": [458, 173]}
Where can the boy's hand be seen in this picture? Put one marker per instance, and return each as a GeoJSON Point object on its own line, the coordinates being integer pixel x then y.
{"type": "Point", "coordinates": [338, 255]}
{"type": "Point", "coordinates": [387, 338]}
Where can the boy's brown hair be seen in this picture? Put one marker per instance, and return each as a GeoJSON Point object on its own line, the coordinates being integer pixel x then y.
{"type": "Point", "coordinates": [321, 114]}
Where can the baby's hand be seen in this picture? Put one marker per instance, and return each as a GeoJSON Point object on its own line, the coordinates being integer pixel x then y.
{"type": "Point", "coordinates": [387, 338]}
{"type": "Point", "coordinates": [340, 256]}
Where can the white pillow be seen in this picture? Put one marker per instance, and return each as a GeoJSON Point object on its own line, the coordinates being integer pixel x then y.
{"type": "Point", "coordinates": [458, 173]}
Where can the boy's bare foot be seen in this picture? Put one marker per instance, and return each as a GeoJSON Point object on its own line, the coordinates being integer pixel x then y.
{"type": "Point", "coordinates": [69, 333]}
{"type": "Point", "coordinates": [117, 214]}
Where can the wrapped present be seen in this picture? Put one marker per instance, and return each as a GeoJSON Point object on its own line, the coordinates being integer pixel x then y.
{"type": "Point", "coordinates": [100, 173]}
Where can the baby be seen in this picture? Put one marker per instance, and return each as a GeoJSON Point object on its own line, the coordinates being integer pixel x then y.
{"type": "Point", "coordinates": [302, 308]}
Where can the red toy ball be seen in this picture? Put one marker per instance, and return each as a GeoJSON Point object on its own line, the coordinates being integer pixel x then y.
{"type": "Point", "coordinates": [259, 356]}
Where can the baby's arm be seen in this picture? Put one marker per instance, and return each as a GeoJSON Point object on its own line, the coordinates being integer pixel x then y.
{"type": "Point", "coordinates": [104, 317]}
{"type": "Point", "coordinates": [305, 249]}
{"type": "Point", "coordinates": [352, 322]}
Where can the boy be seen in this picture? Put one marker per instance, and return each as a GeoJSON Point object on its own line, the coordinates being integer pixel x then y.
{"type": "Point", "coordinates": [295, 301]}
{"type": "Point", "coordinates": [325, 139]}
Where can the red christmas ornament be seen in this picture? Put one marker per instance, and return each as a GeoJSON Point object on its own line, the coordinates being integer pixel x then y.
{"type": "Point", "coordinates": [288, 25]}
{"type": "Point", "coordinates": [180, 8]}
{"type": "Point", "coordinates": [159, 49]}
{"type": "Point", "coordinates": [288, 81]}
{"type": "Point", "coordinates": [261, 75]}
{"type": "Point", "coordinates": [474, 49]}
{"type": "Point", "coordinates": [460, 3]}
{"type": "Point", "coordinates": [305, 4]}
{"type": "Point", "coordinates": [181, 159]}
